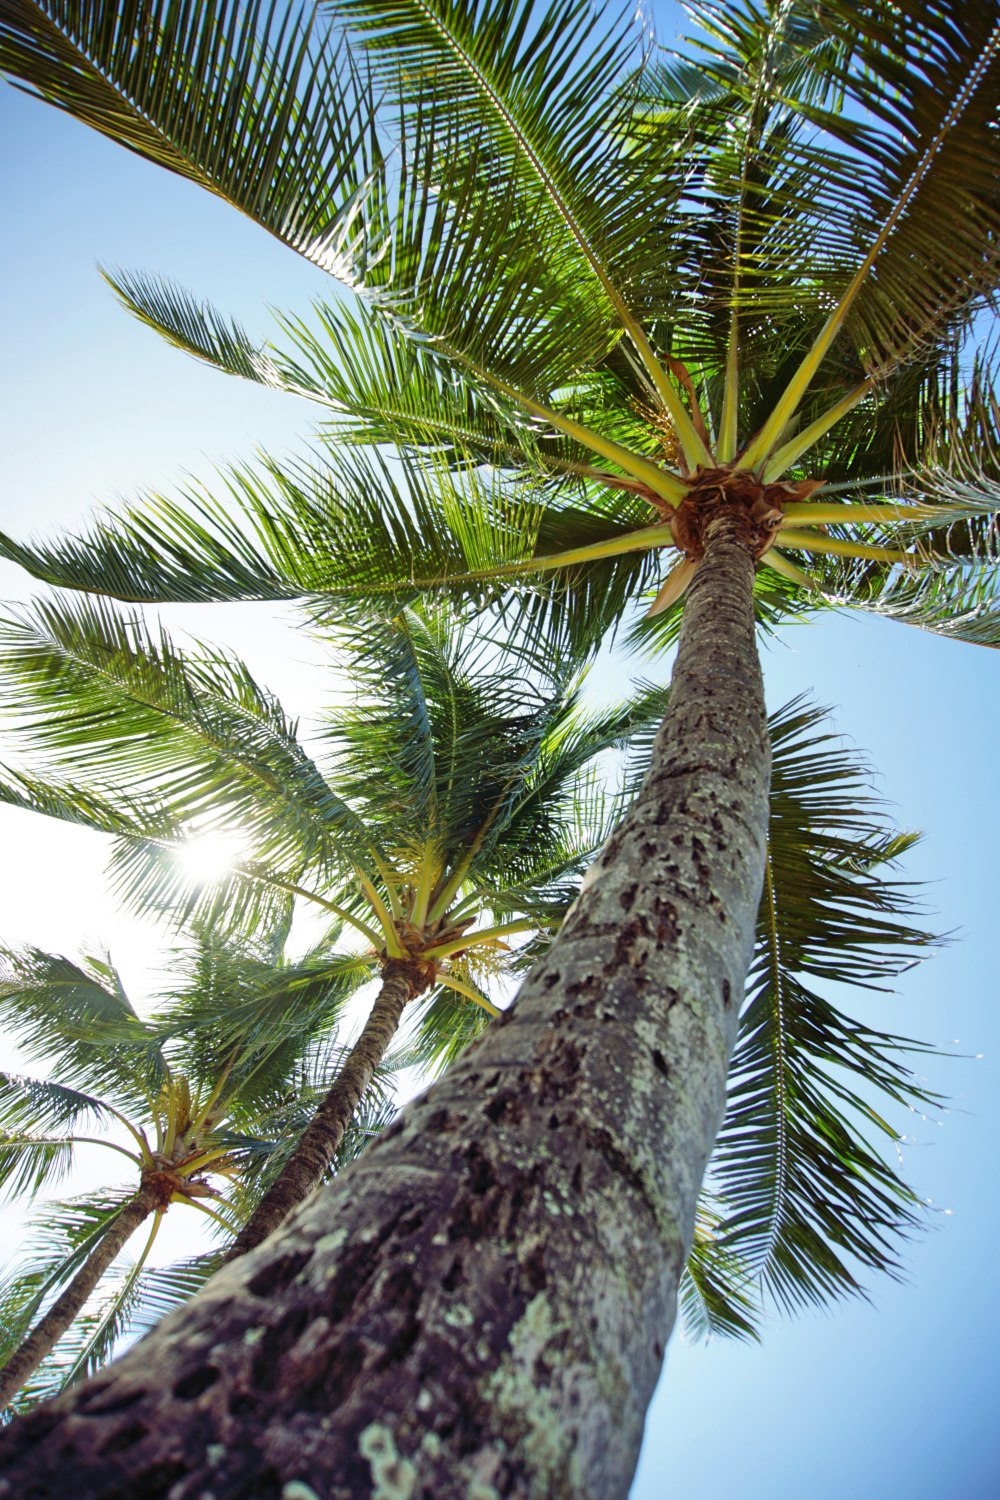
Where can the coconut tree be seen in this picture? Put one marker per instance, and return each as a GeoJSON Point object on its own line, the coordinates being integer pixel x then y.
{"type": "Point", "coordinates": [460, 803]}
{"type": "Point", "coordinates": [798, 1196]}
{"type": "Point", "coordinates": [201, 1121]}
{"type": "Point", "coordinates": [613, 307]}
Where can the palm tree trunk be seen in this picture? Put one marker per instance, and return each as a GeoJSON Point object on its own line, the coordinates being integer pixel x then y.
{"type": "Point", "coordinates": [480, 1303]}
{"type": "Point", "coordinates": [46, 1334]}
{"type": "Point", "coordinates": [305, 1168]}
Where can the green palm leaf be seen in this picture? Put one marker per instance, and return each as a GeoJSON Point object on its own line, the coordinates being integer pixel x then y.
{"type": "Point", "coordinates": [256, 103]}
{"type": "Point", "coordinates": [806, 1198]}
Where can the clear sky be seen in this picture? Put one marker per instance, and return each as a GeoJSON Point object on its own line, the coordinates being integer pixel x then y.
{"type": "Point", "coordinates": [896, 1398]}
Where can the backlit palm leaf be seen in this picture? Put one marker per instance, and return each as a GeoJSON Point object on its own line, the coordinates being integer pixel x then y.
{"type": "Point", "coordinates": [806, 1198]}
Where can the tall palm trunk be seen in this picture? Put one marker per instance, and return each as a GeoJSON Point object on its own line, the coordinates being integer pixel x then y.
{"type": "Point", "coordinates": [305, 1168]}
{"type": "Point", "coordinates": [479, 1305]}
{"type": "Point", "coordinates": [43, 1338]}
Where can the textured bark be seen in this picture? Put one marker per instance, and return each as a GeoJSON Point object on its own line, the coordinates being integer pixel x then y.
{"type": "Point", "coordinates": [478, 1307]}
{"type": "Point", "coordinates": [46, 1334]}
{"type": "Point", "coordinates": [307, 1165]}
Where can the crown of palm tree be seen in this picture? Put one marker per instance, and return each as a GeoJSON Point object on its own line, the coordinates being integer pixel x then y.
{"type": "Point", "coordinates": [454, 790]}
{"type": "Point", "coordinates": [201, 1119]}
{"type": "Point", "coordinates": [602, 290]}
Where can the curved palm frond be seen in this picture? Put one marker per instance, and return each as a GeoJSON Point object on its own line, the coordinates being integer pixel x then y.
{"type": "Point", "coordinates": [806, 1198]}
{"type": "Point", "coordinates": [50, 1003]}
{"type": "Point", "coordinates": [257, 103]}
{"type": "Point", "coordinates": [97, 689]}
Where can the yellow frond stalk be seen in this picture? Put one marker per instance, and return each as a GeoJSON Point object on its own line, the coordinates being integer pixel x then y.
{"type": "Point", "coordinates": [779, 563]}
{"type": "Point", "coordinates": [786, 455]}
{"type": "Point", "coordinates": [828, 544]}
{"type": "Point", "coordinates": [451, 982]}
{"type": "Point", "coordinates": [810, 514]}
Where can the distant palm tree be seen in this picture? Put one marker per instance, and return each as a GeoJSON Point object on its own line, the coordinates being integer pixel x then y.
{"type": "Point", "coordinates": [201, 1121]}
{"type": "Point", "coordinates": [459, 802]}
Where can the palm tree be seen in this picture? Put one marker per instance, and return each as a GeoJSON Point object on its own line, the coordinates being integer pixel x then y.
{"type": "Point", "coordinates": [467, 803]}
{"type": "Point", "coordinates": [508, 833]}
{"type": "Point", "coordinates": [612, 307]}
{"type": "Point", "coordinates": [785, 1210]}
{"type": "Point", "coordinates": [200, 1121]}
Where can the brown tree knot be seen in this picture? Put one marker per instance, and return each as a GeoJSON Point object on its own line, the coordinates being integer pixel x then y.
{"type": "Point", "coordinates": [758, 509]}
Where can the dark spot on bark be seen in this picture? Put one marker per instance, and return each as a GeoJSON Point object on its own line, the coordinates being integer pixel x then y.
{"type": "Point", "coordinates": [453, 1275]}
{"type": "Point", "coordinates": [560, 1071]}
{"type": "Point", "coordinates": [667, 929]}
{"type": "Point", "coordinates": [580, 987]}
{"type": "Point", "coordinates": [480, 1177]}
{"type": "Point", "coordinates": [156, 1482]}
{"type": "Point", "coordinates": [607, 1147]}
{"type": "Point", "coordinates": [506, 1105]}
{"type": "Point", "coordinates": [94, 1390]}
{"type": "Point", "coordinates": [407, 1224]}
{"type": "Point", "coordinates": [125, 1437]}
{"type": "Point", "coordinates": [628, 935]}
{"type": "Point", "coordinates": [727, 993]}
{"type": "Point", "coordinates": [551, 980]}
{"type": "Point", "coordinates": [553, 1122]}
{"type": "Point", "coordinates": [400, 1293]}
{"type": "Point", "coordinates": [627, 896]}
{"type": "Point", "coordinates": [657, 1349]}
{"type": "Point", "coordinates": [332, 1372]}
{"type": "Point", "coordinates": [194, 1382]}
{"type": "Point", "coordinates": [309, 1363]}
{"type": "Point", "coordinates": [277, 1273]}
{"type": "Point", "coordinates": [354, 1271]}
{"type": "Point", "coordinates": [576, 1181]}
{"type": "Point", "coordinates": [660, 1062]}
{"type": "Point", "coordinates": [437, 1121]}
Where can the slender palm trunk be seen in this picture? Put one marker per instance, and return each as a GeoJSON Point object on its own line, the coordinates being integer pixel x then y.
{"type": "Point", "coordinates": [46, 1334]}
{"type": "Point", "coordinates": [305, 1168]}
{"type": "Point", "coordinates": [479, 1305]}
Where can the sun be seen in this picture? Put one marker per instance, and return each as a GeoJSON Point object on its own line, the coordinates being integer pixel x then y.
{"type": "Point", "coordinates": [210, 855]}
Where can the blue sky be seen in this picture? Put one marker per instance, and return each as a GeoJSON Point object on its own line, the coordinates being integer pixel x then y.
{"type": "Point", "coordinates": [892, 1398]}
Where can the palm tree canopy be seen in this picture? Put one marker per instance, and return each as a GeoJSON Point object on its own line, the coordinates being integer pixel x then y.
{"type": "Point", "coordinates": [595, 283]}
{"type": "Point", "coordinates": [456, 800]}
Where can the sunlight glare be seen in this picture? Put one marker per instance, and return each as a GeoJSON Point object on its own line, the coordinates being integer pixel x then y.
{"type": "Point", "coordinates": [211, 855]}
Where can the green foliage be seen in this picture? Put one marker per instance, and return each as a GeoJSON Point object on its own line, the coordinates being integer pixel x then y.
{"type": "Point", "coordinates": [542, 218]}
{"type": "Point", "coordinates": [804, 1199]}
{"type": "Point", "coordinates": [223, 1106]}
{"type": "Point", "coordinates": [584, 266]}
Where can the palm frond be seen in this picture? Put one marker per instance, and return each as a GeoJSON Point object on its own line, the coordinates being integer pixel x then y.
{"type": "Point", "coordinates": [807, 1200]}
{"type": "Point", "coordinates": [256, 102]}
{"type": "Point", "coordinates": [61, 1238]}
{"type": "Point", "coordinates": [52, 1005]}
{"type": "Point", "coordinates": [96, 689]}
